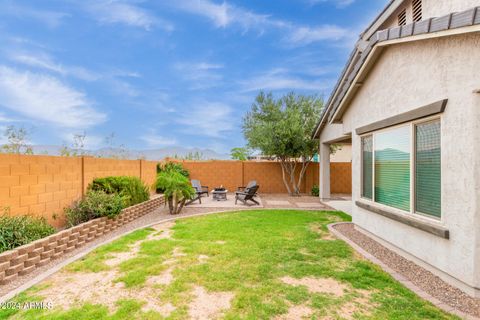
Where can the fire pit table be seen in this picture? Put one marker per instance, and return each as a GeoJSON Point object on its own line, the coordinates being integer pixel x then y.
{"type": "Point", "coordinates": [220, 194]}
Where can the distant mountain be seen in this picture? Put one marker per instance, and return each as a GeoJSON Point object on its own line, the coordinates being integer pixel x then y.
{"type": "Point", "coordinates": [149, 154]}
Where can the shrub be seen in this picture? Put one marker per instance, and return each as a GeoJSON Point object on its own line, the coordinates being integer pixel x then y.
{"type": "Point", "coordinates": [95, 204]}
{"type": "Point", "coordinates": [132, 189]}
{"type": "Point", "coordinates": [177, 189]}
{"type": "Point", "coordinates": [173, 166]}
{"type": "Point", "coordinates": [315, 191]}
{"type": "Point", "coordinates": [17, 231]}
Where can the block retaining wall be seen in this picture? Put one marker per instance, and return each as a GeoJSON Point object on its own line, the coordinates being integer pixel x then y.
{"type": "Point", "coordinates": [25, 259]}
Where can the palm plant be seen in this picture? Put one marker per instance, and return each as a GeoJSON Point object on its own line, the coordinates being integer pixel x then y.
{"type": "Point", "coordinates": [177, 190]}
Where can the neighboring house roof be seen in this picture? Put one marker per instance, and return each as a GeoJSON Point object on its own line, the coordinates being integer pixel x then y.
{"type": "Point", "coordinates": [358, 62]}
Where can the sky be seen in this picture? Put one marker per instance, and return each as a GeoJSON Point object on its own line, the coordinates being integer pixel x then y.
{"type": "Point", "coordinates": [165, 73]}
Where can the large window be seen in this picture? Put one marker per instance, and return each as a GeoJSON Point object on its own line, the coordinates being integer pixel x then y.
{"type": "Point", "coordinates": [393, 177]}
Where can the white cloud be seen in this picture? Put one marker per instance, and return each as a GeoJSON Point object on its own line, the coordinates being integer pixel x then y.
{"type": "Point", "coordinates": [123, 12]}
{"type": "Point", "coordinates": [338, 3]}
{"type": "Point", "coordinates": [45, 98]}
{"type": "Point", "coordinates": [211, 119]}
{"type": "Point", "coordinates": [51, 18]}
{"type": "Point", "coordinates": [280, 79]}
{"type": "Point", "coordinates": [224, 15]}
{"type": "Point", "coordinates": [44, 61]}
{"type": "Point", "coordinates": [307, 35]}
{"type": "Point", "coordinates": [203, 74]}
{"type": "Point", "coordinates": [153, 140]}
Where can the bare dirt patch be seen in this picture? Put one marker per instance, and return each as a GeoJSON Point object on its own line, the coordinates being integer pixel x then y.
{"type": "Point", "coordinates": [324, 235]}
{"type": "Point", "coordinates": [177, 252]}
{"type": "Point", "coordinates": [120, 257]}
{"type": "Point", "coordinates": [318, 285]}
{"type": "Point", "coordinates": [165, 278]}
{"type": "Point", "coordinates": [163, 231]}
{"type": "Point", "coordinates": [296, 312]}
{"type": "Point", "coordinates": [203, 258]}
{"type": "Point", "coordinates": [67, 290]}
{"type": "Point", "coordinates": [220, 242]}
{"type": "Point", "coordinates": [208, 305]}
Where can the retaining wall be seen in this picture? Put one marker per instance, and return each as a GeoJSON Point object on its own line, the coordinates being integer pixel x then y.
{"type": "Point", "coordinates": [25, 259]}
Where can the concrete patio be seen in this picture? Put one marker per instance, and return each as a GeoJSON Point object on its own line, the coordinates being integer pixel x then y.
{"type": "Point", "coordinates": [274, 201]}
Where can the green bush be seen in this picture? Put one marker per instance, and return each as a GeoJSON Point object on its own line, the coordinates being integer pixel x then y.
{"type": "Point", "coordinates": [17, 231]}
{"type": "Point", "coordinates": [95, 204]}
{"type": "Point", "coordinates": [177, 190]}
{"type": "Point", "coordinates": [173, 166]}
{"type": "Point", "coordinates": [315, 191]}
{"type": "Point", "coordinates": [132, 189]}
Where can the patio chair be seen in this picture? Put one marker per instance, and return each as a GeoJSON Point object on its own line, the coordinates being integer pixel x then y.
{"type": "Point", "coordinates": [199, 190]}
{"type": "Point", "coordinates": [249, 185]}
{"type": "Point", "coordinates": [247, 195]}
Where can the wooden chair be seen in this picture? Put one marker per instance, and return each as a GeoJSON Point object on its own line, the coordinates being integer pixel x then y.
{"type": "Point", "coordinates": [249, 185]}
{"type": "Point", "coordinates": [247, 195]}
{"type": "Point", "coordinates": [199, 190]}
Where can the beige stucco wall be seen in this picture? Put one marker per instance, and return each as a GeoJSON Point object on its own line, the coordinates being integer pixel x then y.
{"type": "Point", "coordinates": [438, 8]}
{"type": "Point", "coordinates": [408, 76]}
{"type": "Point", "coordinates": [344, 154]}
{"type": "Point", "coordinates": [431, 9]}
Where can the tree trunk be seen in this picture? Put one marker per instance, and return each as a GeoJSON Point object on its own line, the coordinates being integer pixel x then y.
{"type": "Point", "coordinates": [302, 174]}
{"type": "Point", "coordinates": [170, 205]}
{"type": "Point", "coordinates": [283, 164]}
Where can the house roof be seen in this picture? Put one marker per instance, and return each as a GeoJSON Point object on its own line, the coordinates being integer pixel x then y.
{"type": "Point", "coordinates": [358, 59]}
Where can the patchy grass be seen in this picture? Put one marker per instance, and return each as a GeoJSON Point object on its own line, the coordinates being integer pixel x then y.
{"type": "Point", "coordinates": [237, 261]}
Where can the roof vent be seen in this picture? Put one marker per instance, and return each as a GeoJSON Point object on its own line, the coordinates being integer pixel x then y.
{"type": "Point", "coordinates": [417, 10]}
{"type": "Point", "coordinates": [402, 18]}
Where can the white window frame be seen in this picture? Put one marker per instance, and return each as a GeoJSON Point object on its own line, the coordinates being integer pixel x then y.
{"type": "Point", "coordinates": [412, 124]}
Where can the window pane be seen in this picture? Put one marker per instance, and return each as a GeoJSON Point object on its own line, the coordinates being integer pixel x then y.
{"type": "Point", "coordinates": [392, 168]}
{"type": "Point", "coordinates": [367, 166]}
{"type": "Point", "coordinates": [427, 169]}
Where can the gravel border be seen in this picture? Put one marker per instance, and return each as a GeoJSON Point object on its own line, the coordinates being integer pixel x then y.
{"type": "Point", "coordinates": [421, 281]}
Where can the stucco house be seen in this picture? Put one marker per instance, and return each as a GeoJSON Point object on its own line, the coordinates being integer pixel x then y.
{"type": "Point", "coordinates": [408, 101]}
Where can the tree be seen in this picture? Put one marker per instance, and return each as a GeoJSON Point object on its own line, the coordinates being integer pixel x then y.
{"type": "Point", "coordinates": [283, 128]}
{"type": "Point", "coordinates": [176, 189]}
{"type": "Point", "coordinates": [241, 154]}
{"type": "Point", "coordinates": [113, 150]}
{"type": "Point", "coordinates": [77, 148]}
{"type": "Point", "coordinates": [17, 141]}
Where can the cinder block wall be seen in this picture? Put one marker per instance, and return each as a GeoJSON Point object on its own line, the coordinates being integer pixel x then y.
{"type": "Point", "coordinates": [45, 185]}
{"type": "Point", "coordinates": [232, 174]}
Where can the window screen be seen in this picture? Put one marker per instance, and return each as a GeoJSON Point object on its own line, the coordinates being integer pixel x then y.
{"type": "Point", "coordinates": [427, 168]}
{"type": "Point", "coordinates": [367, 167]}
{"type": "Point", "coordinates": [392, 167]}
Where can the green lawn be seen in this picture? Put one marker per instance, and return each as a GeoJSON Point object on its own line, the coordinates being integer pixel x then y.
{"type": "Point", "coordinates": [248, 265]}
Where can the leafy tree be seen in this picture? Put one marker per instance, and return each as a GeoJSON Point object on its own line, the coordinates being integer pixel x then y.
{"type": "Point", "coordinates": [241, 154]}
{"type": "Point", "coordinates": [176, 189]}
{"type": "Point", "coordinates": [283, 128]}
{"type": "Point", "coordinates": [17, 141]}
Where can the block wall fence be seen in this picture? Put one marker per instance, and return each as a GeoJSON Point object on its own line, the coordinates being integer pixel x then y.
{"type": "Point", "coordinates": [45, 185]}
{"type": "Point", "coordinates": [232, 174]}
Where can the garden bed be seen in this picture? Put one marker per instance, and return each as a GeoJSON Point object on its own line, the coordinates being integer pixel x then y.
{"type": "Point", "coordinates": [25, 259]}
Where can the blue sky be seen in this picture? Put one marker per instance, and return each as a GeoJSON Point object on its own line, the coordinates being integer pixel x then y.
{"type": "Point", "coordinates": [163, 73]}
